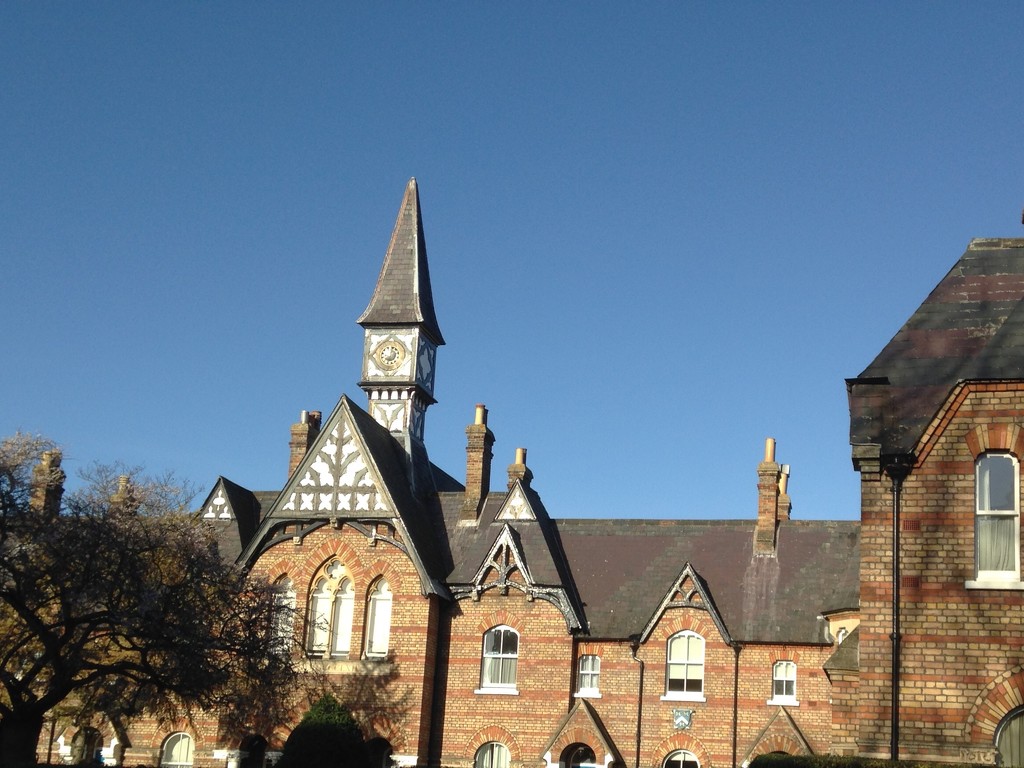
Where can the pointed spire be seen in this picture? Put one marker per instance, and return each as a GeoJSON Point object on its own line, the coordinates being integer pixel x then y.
{"type": "Point", "coordinates": [402, 295]}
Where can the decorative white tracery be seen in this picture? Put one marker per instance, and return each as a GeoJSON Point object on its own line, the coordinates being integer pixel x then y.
{"type": "Point", "coordinates": [219, 507]}
{"type": "Point", "coordinates": [338, 479]}
{"type": "Point", "coordinates": [517, 506]}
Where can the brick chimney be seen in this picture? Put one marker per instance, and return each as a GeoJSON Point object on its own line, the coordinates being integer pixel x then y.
{"type": "Point", "coordinates": [519, 470]}
{"type": "Point", "coordinates": [479, 440]}
{"type": "Point", "coordinates": [304, 433]}
{"type": "Point", "coordinates": [769, 475]}
{"type": "Point", "coordinates": [48, 484]}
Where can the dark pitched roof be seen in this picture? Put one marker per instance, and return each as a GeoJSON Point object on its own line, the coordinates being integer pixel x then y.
{"type": "Point", "coordinates": [622, 567]}
{"type": "Point", "coordinates": [233, 512]}
{"type": "Point", "coordinates": [970, 327]}
{"type": "Point", "coordinates": [402, 295]}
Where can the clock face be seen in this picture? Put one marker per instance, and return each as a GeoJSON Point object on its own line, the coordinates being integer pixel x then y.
{"type": "Point", "coordinates": [390, 355]}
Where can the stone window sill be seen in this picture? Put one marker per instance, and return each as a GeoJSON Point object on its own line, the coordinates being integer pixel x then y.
{"type": "Point", "coordinates": [989, 584]}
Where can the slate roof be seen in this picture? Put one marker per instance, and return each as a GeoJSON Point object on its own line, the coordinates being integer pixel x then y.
{"type": "Point", "coordinates": [402, 295]}
{"type": "Point", "coordinates": [970, 327]}
{"type": "Point", "coordinates": [622, 569]}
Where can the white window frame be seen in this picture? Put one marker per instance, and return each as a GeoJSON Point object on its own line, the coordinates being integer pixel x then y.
{"type": "Point", "coordinates": [588, 676]}
{"type": "Point", "coordinates": [170, 748]}
{"type": "Point", "coordinates": [783, 676]}
{"type": "Point", "coordinates": [984, 512]}
{"type": "Point", "coordinates": [284, 614]}
{"type": "Point", "coordinates": [493, 754]}
{"type": "Point", "coordinates": [378, 620]}
{"type": "Point", "coordinates": [680, 757]}
{"type": "Point", "coordinates": [687, 662]}
{"type": "Point", "coordinates": [501, 656]}
{"type": "Point", "coordinates": [330, 613]}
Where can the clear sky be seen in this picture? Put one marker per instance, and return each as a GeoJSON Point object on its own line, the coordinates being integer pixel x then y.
{"type": "Point", "coordinates": [658, 232]}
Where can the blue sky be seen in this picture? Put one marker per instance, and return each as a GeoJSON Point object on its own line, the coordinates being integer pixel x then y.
{"type": "Point", "coordinates": [658, 232]}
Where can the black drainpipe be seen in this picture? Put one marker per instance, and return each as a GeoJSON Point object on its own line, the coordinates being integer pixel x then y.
{"type": "Point", "coordinates": [634, 646]}
{"type": "Point", "coordinates": [897, 471]}
{"type": "Point", "coordinates": [736, 647]}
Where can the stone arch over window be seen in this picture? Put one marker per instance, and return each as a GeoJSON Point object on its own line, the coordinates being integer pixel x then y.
{"type": "Point", "coordinates": [995, 437]}
{"type": "Point", "coordinates": [682, 741]}
{"type": "Point", "coordinates": [993, 704]}
{"type": "Point", "coordinates": [777, 743]}
{"type": "Point", "coordinates": [330, 611]}
{"type": "Point", "coordinates": [378, 618]}
{"type": "Point", "coordinates": [496, 733]}
{"type": "Point", "coordinates": [177, 751]}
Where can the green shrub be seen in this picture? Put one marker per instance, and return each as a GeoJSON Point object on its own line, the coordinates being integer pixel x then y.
{"type": "Point", "coordinates": [327, 737]}
{"type": "Point", "coordinates": [835, 761]}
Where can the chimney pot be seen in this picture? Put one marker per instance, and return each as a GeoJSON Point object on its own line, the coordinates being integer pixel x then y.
{"type": "Point", "coordinates": [519, 471]}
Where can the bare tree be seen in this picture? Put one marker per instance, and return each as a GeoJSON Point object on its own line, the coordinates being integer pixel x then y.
{"type": "Point", "coordinates": [115, 600]}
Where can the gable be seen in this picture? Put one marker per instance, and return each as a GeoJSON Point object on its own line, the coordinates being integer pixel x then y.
{"type": "Point", "coordinates": [516, 506]}
{"type": "Point", "coordinates": [688, 591]}
{"type": "Point", "coordinates": [337, 476]}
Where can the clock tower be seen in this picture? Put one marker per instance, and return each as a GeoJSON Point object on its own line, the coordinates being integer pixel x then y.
{"type": "Point", "coordinates": [401, 337]}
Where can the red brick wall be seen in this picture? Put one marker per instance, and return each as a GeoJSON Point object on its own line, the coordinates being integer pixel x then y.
{"type": "Point", "coordinates": [957, 643]}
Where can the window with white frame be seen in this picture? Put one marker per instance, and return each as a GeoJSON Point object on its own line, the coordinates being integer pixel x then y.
{"type": "Point", "coordinates": [491, 755]}
{"type": "Point", "coordinates": [997, 522]}
{"type": "Point", "coordinates": [500, 658]}
{"type": "Point", "coordinates": [330, 612]}
{"type": "Point", "coordinates": [177, 751]}
{"type": "Point", "coordinates": [378, 630]}
{"type": "Point", "coordinates": [684, 666]}
{"type": "Point", "coordinates": [681, 759]}
{"type": "Point", "coordinates": [783, 683]}
{"type": "Point", "coordinates": [284, 614]}
{"type": "Point", "coordinates": [589, 677]}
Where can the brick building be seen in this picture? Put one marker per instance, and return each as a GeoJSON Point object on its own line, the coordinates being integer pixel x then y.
{"type": "Point", "coordinates": [936, 429]}
{"type": "Point", "coordinates": [468, 627]}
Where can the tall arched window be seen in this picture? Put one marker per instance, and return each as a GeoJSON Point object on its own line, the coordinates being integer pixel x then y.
{"type": "Point", "coordinates": [378, 628]}
{"type": "Point", "coordinates": [284, 613]}
{"type": "Point", "coordinates": [684, 664]}
{"type": "Point", "coordinates": [344, 604]}
{"type": "Point", "coordinates": [177, 751]}
{"type": "Point", "coordinates": [491, 755]}
{"type": "Point", "coordinates": [330, 612]}
{"type": "Point", "coordinates": [997, 522]}
{"type": "Point", "coordinates": [500, 658]}
{"type": "Point", "coordinates": [681, 759]}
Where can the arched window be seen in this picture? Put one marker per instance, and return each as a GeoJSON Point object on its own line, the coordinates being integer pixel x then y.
{"type": "Point", "coordinates": [681, 759]}
{"type": "Point", "coordinates": [491, 755]}
{"type": "Point", "coordinates": [344, 604]}
{"type": "Point", "coordinates": [783, 683]}
{"type": "Point", "coordinates": [578, 756]}
{"type": "Point", "coordinates": [997, 522]}
{"type": "Point", "coordinates": [177, 751]}
{"type": "Point", "coordinates": [500, 658]}
{"type": "Point", "coordinates": [1010, 740]}
{"type": "Point", "coordinates": [685, 666]}
{"type": "Point", "coordinates": [378, 628]}
{"type": "Point", "coordinates": [284, 613]}
{"type": "Point", "coordinates": [330, 612]}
